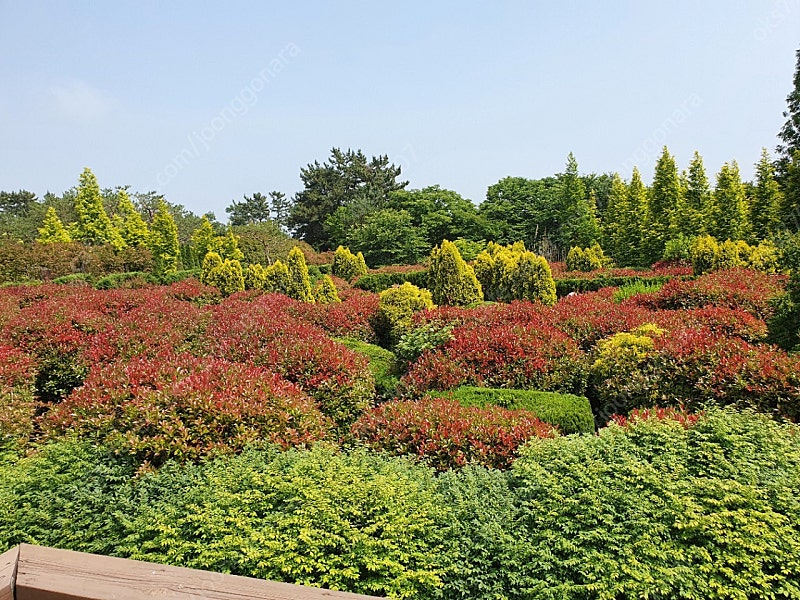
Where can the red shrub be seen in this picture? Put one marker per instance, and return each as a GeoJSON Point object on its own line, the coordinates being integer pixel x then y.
{"type": "Point", "coordinates": [589, 317]}
{"type": "Point", "coordinates": [720, 321]}
{"type": "Point", "coordinates": [17, 406]}
{"type": "Point", "coordinates": [262, 333]}
{"type": "Point", "coordinates": [533, 355]}
{"type": "Point", "coordinates": [447, 434]}
{"type": "Point", "coordinates": [681, 415]}
{"type": "Point", "coordinates": [184, 407]}
{"type": "Point", "coordinates": [742, 289]}
{"type": "Point", "coordinates": [350, 318]}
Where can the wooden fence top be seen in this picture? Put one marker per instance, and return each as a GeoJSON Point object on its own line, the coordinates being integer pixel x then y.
{"type": "Point", "coordinates": [40, 573]}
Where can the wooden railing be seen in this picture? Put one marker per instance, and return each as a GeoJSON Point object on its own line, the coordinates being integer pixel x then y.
{"type": "Point", "coordinates": [39, 573]}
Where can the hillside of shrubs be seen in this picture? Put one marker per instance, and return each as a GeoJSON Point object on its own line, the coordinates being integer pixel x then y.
{"type": "Point", "coordinates": [581, 388]}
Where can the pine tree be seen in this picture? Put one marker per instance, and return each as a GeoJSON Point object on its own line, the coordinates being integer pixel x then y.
{"type": "Point", "coordinates": [451, 281]}
{"type": "Point", "coordinates": [299, 281]}
{"type": "Point", "coordinates": [767, 199]}
{"type": "Point", "coordinates": [665, 196]}
{"type": "Point", "coordinates": [52, 229]}
{"type": "Point", "coordinates": [93, 225]}
{"type": "Point", "coordinates": [131, 225]}
{"type": "Point", "coordinates": [164, 241]}
{"type": "Point", "coordinates": [728, 213]}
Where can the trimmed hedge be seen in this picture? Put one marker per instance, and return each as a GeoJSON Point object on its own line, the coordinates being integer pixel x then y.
{"type": "Point", "coordinates": [568, 412]}
{"type": "Point", "coordinates": [381, 363]}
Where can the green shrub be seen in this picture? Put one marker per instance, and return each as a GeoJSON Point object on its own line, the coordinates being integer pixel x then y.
{"type": "Point", "coordinates": [382, 363]}
{"type": "Point", "coordinates": [255, 277]}
{"type": "Point", "coordinates": [74, 278]}
{"type": "Point", "coordinates": [133, 279]}
{"type": "Point", "coordinates": [225, 275]}
{"type": "Point", "coordinates": [299, 281]}
{"type": "Point", "coordinates": [176, 276]}
{"type": "Point", "coordinates": [347, 265]}
{"type": "Point", "coordinates": [451, 281]}
{"type": "Point", "coordinates": [415, 341]}
{"type": "Point", "coordinates": [276, 278]}
{"type": "Point", "coordinates": [509, 273]}
{"type": "Point", "coordinates": [354, 522]}
{"type": "Point", "coordinates": [325, 291]}
{"type": "Point", "coordinates": [586, 259]}
{"type": "Point", "coordinates": [570, 413]}
{"type": "Point", "coordinates": [659, 509]}
{"type": "Point", "coordinates": [66, 495]}
{"type": "Point", "coordinates": [679, 248]}
{"type": "Point", "coordinates": [395, 310]}
{"type": "Point", "coordinates": [638, 286]}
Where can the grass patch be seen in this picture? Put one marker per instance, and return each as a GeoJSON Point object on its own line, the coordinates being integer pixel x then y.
{"type": "Point", "coordinates": [636, 287]}
{"type": "Point", "coordinates": [570, 413]}
{"type": "Point", "coordinates": [382, 363]}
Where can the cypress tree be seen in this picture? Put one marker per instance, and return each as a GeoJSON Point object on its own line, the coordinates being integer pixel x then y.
{"type": "Point", "coordinates": [93, 225]}
{"type": "Point", "coordinates": [767, 199]}
{"type": "Point", "coordinates": [613, 220]}
{"type": "Point", "coordinates": [131, 225]}
{"type": "Point", "coordinates": [696, 198]}
{"type": "Point", "coordinates": [164, 241]}
{"type": "Point", "coordinates": [299, 281]}
{"type": "Point", "coordinates": [633, 233]}
{"type": "Point", "coordinates": [728, 215]}
{"type": "Point", "coordinates": [452, 281]}
{"type": "Point", "coordinates": [203, 238]}
{"type": "Point", "coordinates": [52, 229]}
{"type": "Point", "coordinates": [665, 196]}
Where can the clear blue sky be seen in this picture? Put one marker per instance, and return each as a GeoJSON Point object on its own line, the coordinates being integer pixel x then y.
{"type": "Point", "coordinates": [205, 102]}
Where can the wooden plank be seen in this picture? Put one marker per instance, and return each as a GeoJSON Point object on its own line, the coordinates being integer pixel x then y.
{"type": "Point", "coordinates": [8, 572]}
{"type": "Point", "coordinates": [50, 574]}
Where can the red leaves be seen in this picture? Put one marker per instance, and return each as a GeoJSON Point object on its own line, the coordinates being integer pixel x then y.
{"type": "Point", "coordinates": [448, 435]}
{"type": "Point", "coordinates": [184, 407]}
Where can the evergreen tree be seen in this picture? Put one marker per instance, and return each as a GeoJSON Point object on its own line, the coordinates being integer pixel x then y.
{"type": "Point", "coordinates": [697, 197]}
{"type": "Point", "coordinates": [766, 201]}
{"type": "Point", "coordinates": [665, 196]}
{"type": "Point", "coordinates": [164, 241]}
{"type": "Point", "coordinates": [203, 238]}
{"type": "Point", "coordinates": [728, 215]}
{"type": "Point", "coordinates": [228, 246]}
{"type": "Point", "coordinates": [790, 212]}
{"type": "Point", "coordinates": [281, 207]}
{"type": "Point", "coordinates": [577, 213]}
{"type": "Point", "coordinates": [131, 225]}
{"type": "Point", "coordinates": [299, 281]}
{"type": "Point", "coordinates": [613, 220]}
{"type": "Point", "coordinates": [634, 223]}
{"type": "Point", "coordinates": [790, 132]}
{"type": "Point", "coordinates": [451, 281]}
{"type": "Point", "coordinates": [52, 229]}
{"type": "Point", "coordinates": [93, 225]}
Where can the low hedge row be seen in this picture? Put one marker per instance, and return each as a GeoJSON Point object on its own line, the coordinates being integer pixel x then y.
{"type": "Point", "coordinates": [568, 412]}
